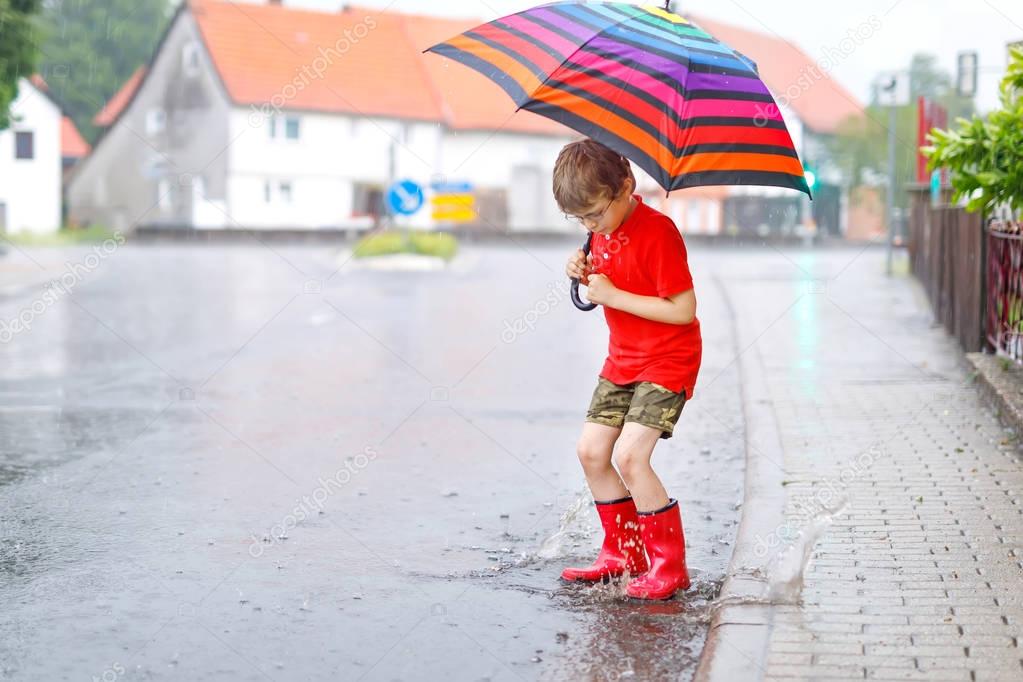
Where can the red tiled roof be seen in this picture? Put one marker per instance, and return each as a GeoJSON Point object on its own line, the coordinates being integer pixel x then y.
{"type": "Point", "coordinates": [72, 144]}
{"type": "Point", "coordinates": [471, 100]}
{"type": "Point", "coordinates": [822, 106]}
{"type": "Point", "coordinates": [38, 81]}
{"type": "Point", "coordinates": [269, 54]}
{"type": "Point", "coordinates": [112, 109]}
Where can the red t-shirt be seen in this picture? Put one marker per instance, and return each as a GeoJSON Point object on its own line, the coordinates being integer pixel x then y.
{"type": "Point", "coordinates": [647, 256]}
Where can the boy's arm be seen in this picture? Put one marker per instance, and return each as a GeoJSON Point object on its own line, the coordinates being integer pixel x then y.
{"type": "Point", "coordinates": [677, 309]}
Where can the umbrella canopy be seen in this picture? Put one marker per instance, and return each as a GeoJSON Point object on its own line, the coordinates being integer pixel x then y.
{"type": "Point", "coordinates": [685, 107]}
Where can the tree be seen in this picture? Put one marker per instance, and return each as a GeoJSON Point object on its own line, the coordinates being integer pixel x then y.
{"type": "Point", "coordinates": [91, 47]}
{"type": "Point", "coordinates": [861, 145]}
{"type": "Point", "coordinates": [927, 80]}
{"type": "Point", "coordinates": [985, 155]}
{"type": "Point", "coordinates": [18, 50]}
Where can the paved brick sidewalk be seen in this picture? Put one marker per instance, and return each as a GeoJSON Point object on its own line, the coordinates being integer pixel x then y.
{"type": "Point", "coordinates": [920, 576]}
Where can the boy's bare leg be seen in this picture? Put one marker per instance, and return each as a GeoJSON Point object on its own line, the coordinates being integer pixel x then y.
{"type": "Point", "coordinates": [595, 447]}
{"type": "Point", "coordinates": [634, 450]}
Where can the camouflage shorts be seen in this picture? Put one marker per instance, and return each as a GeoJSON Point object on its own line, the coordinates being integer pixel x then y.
{"type": "Point", "coordinates": [643, 402]}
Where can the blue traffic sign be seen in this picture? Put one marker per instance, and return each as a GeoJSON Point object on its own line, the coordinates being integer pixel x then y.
{"type": "Point", "coordinates": [405, 197]}
{"type": "Point", "coordinates": [451, 187]}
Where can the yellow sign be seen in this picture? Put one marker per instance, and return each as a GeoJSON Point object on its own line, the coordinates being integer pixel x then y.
{"type": "Point", "coordinates": [453, 200]}
{"type": "Point", "coordinates": [455, 208]}
{"type": "Point", "coordinates": [463, 215]}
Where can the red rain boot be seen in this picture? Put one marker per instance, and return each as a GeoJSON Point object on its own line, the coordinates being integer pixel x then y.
{"type": "Point", "coordinates": [666, 546]}
{"type": "Point", "coordinates": [623, 545]}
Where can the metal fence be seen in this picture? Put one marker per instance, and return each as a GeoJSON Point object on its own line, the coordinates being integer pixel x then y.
{"type": "Point", "coordinates": [1004, 327]}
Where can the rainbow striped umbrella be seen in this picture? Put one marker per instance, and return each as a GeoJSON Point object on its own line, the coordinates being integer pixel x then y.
{"type": "Point", "coordinates": [685, 107]}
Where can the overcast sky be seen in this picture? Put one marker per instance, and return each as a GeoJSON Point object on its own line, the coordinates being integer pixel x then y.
{"type": "Point", "coordinates": [940, 27]}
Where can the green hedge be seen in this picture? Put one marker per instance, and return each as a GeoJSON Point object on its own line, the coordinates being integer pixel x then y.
{"type": "Point", "coordinates": [438, 244]}
{"type": "Point", "coordinates": [64, 237]}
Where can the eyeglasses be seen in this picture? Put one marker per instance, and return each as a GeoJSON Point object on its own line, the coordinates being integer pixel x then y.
{"type": "Point", "coordinates": [590, 218]}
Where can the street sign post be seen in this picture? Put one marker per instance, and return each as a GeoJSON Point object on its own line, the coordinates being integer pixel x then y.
{"type": "Point", "coordinates": [892, 90]}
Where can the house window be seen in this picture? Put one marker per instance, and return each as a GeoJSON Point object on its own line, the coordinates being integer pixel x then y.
{"type": "Point", "coordinates": [283, 194]}
{"type": "Point", "coordinates": [164, 191]}
{"type": "Point", "coordinates": [156, 121]}
{"type": "Point", "coordinates": [287, 128]}
{"type": "Point", "coordinates": [190, 59]}
{"type": "Point", "coordinates": [24, 145]}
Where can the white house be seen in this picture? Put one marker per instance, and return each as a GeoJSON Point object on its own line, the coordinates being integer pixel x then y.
{"type": "Point", "coordinates": [30, 162]}
{"type": "Point", "coordinates": [263, 116]}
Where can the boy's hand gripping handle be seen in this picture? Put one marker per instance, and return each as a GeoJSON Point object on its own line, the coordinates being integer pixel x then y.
{"type": "Point", "coordinates": [579, 303]}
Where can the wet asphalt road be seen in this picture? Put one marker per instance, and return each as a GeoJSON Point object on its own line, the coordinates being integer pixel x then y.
{"type": "Point", "coordinates": [232, 463]}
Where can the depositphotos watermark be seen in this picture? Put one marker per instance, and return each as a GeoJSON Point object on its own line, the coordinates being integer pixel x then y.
{"type": "Point", "coordinates": [822, 501]}
{"type": "Point", "coordinates": [557, 291]}
{"type": "Point", "coordinates": [526, 322]}
{"type": "Point", "coordinates": [112, 673]}
{"type": "Point", "coordinates": [817, 71]}
{"type": "Point", "coordinates": [312, 503]}
{"type": "Point", "coordinates": [59, 287]}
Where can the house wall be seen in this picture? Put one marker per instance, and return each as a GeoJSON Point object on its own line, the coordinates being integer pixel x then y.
{"type": "Point", "coordinates": [334, 153]}
{"type": "Point", "coordinates": [331, 155]}
{"type": "Point", "coordinates": [30, 188]}
{"type": "Point", "coordinates": [143, 173]}
{"type": "Point", "coordinates": [524, 164]}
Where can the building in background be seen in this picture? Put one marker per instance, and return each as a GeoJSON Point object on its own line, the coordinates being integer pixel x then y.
{"type": "Point", "coordinates": [73, 147]}
{"type": "Point", "coordinates": [33, 151]}
{"type": "Point", "coordinates": [115, 105]}
{"type": "Point", "coordinates": [273, 117]}
{"type": "Point", "coordinates": [263, 116]}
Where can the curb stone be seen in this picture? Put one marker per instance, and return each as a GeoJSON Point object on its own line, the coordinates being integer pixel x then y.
{"type": "Point", "coordinates": [736, 647]}
{"type": "Point", "coordinates": [1000, 387]}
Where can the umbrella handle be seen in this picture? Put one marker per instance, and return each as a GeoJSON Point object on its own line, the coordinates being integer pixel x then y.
{"type": "Point", "coordinates": [575, 280]}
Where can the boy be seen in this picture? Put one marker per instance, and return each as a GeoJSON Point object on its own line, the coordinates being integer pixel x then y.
{"type": "Point", "coordinates": [638, 270]}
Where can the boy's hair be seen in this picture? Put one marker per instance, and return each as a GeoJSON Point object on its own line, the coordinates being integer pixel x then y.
{"type": "Point", "coordinates": [587, 172]}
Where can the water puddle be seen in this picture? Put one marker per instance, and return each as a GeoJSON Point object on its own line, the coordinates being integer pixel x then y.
{"type": "Point", "coordinates": [535, 572]}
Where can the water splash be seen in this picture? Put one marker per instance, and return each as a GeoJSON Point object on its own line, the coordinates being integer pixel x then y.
{"type": "Point", "coordinates": [788, 569]}
{"type": "Point", "coordinates": [553, 546]}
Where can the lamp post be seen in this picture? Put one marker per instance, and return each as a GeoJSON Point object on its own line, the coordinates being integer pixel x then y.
{"type": "Point", "coordinates": [892, 90]}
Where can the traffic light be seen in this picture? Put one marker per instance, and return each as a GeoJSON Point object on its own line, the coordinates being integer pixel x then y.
{"type": "Point", "coordinates": [811, 178]}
